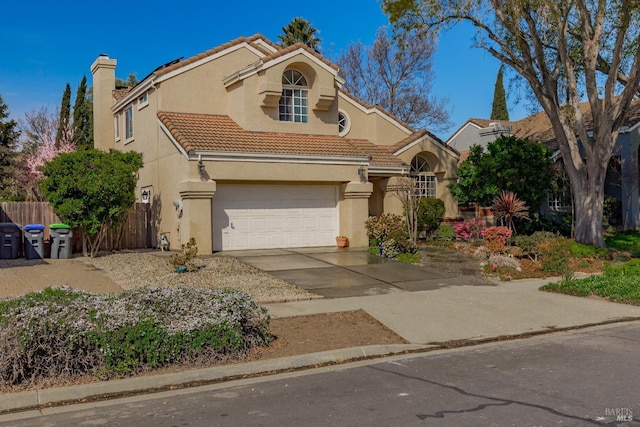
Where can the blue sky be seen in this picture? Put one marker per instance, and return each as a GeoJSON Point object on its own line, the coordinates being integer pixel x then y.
{"type": "Point", "coordinates": [46, 44]}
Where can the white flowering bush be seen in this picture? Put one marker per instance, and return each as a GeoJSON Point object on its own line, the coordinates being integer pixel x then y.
{"type": "Point", "coordinates": [62, 332]}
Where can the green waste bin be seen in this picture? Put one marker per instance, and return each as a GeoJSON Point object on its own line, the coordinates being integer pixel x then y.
{"type": "Point", "coordinates": [61, 245]}
{"type": "Point", "coordinates": [10, 236]}
{"type": "Point", "coordinates": [33, 241]}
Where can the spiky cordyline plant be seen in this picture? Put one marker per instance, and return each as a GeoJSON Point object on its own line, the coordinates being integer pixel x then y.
{"type": "Point", "coordinates": [508, 206]}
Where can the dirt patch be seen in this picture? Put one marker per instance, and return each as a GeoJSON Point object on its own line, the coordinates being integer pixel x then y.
{"type": "Point", "coordinates": [327, 331]}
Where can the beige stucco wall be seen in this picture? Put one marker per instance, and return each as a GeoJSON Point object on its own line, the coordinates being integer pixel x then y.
{"type": "Point", "coordinates": [443, 164]}
{"type": "Point", "coordinates": [370, 125]}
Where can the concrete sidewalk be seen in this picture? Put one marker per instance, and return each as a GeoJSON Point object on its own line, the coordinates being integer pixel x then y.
{"type": "Point", "coordinates": [470, 312]}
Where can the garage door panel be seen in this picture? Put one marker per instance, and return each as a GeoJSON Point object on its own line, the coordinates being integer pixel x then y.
{"type": "Point", "coordinates": [274, 216]}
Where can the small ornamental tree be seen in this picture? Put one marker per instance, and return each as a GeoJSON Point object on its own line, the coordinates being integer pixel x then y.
{"type": "Point", "coordinates": [92, 189]}
{"type": "Point", "coordinates": [509, 163]}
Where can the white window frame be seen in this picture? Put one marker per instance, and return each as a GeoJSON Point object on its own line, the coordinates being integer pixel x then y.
{"type": "Point", "coordinates": [294, 102]}
{"type": "Point", "coordinates": [425, 182]}
{"type": "Point", "coordinates": [143, 100]}
{"type": "Point", "coordinates": [555, 202]}
{"type": "Point", "coordinates": [128, 123]}
{"type": "Point", "coordinates": [116, 126]}
{"type": "Point", "coordinates": [344, 122]}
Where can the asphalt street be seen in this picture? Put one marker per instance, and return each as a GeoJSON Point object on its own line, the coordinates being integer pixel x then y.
{"type": "Point", "coordinates": [587, 377]}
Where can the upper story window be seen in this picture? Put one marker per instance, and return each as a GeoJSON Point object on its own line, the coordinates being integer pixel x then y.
{"type": "Point", "coordinates": [143, 101]}
{"type": "Point", "coordinates": [128, 123]}
{"type": "Point", "coordinates": [116, 125]}
{"type": "Point", "coordinates": [294, 102]}
{"type": "Point", "coordinates": [424, 180]}
{"type": "Point", "coordinates": [344, 124]}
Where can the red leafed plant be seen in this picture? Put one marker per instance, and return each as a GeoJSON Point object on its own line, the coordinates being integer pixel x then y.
{"type": "Point", "coordinates": [507, 207]}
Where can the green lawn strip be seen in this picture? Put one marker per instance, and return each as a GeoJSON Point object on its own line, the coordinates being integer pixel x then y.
{"type": "Point", "coordinates": [619, 283]}
{"type": "Point", "coordinates": [628, 241]}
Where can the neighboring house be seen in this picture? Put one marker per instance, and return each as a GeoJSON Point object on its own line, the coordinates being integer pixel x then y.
{"type": "Point", "coordinates": [622, 180]}
{"type": "Point", "coordinates": [250, 145]}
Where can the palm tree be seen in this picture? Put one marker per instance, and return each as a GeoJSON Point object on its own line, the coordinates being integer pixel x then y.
{"type": "Point", "coordinates": [300, 30]}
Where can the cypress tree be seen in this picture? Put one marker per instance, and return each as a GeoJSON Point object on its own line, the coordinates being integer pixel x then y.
{"type": "Point", "coordinates": [65, 114]}
{"type": "Point", "coordinates": [82, 131]}
{"type": "Point", "coordinates": [500, 110]}
{"type": "Point", "coordinates": [8, 167]}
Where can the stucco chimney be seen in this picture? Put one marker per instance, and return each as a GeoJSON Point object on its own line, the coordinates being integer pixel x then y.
{"type": "Point", "coordinates": [104, 83]}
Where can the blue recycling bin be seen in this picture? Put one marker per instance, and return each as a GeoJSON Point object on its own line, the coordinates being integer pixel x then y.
{"type": "Point", "coordinates": [61, 244]}
{"type": "Point", "coordinates": [10, 236]}
{"type": "Point", "coordinates": [33, 241]}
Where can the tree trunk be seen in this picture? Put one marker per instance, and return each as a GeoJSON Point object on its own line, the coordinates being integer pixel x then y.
{"type": "Point", "coordinates": [588, 199]}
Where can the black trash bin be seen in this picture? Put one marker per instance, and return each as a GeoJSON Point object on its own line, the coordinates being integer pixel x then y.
{"type": "Point", "coordinates": [10, 236]}
{"type": "Point", "coordinates": [33, 241]}
{"type": "Point", "coordinates": [61, 245]}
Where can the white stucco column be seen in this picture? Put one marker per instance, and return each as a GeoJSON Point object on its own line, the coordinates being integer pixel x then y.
{"type": "Point", "coordinates": [354, 211]}
{"type": "Point", "coordinates": [197, 219]}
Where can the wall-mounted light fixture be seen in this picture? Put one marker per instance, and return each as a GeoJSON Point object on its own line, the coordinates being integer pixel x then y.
{"type": "Point", "coordinates": [145, 196]}
{"type": "Point", "coordinates": [200, 164]}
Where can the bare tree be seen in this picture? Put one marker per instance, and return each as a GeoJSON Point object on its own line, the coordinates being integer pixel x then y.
{"type": "Point", "coordinates": [565, 50]}
{"type": "Point", "coordinates": [396, 74]}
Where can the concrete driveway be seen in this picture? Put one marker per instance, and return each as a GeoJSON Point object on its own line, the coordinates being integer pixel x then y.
{"type": "Point", "coordinates": [338, 273]}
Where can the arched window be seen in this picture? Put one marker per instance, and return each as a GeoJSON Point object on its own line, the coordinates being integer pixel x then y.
{"type": "Point", "coordinates": [424, 180]}
{"type": "Point", "coordinates": [344, 124]}
{"type": "Point", "coordinates": [294, 104]}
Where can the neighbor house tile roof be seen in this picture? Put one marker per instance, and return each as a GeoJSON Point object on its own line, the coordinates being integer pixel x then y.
{"type": "Point", "coordinates": [537, 127]}
{"type": "Point", "coordinates": [210, 132]}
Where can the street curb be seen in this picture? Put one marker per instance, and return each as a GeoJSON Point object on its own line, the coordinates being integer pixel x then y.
{"type": "Point", "coordinates": [38, 399]}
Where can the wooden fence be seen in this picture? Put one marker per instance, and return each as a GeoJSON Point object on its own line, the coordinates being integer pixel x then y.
{"type": "Point", "coordinates": [137, 232]}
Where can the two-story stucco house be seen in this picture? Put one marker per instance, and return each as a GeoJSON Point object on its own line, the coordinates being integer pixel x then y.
{"type": "Point", "coordinates": [250, 145]}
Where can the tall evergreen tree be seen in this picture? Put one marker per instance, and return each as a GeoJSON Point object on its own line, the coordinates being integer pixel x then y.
{"type": "Point", "coordinates": [300, 30]}
{"type": "Point", "coordinates": [65, 114]}
{"type": "Point", "coordinates": [82, 130]}
{"type": "Point", "coordinates": [499, 110]}
{"type": "Point", "coordinates": [8, 161]}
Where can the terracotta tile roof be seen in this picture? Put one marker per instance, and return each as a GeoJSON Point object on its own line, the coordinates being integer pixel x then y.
{"type": "Point", "coordinates": [209, 132]}
{"type": "Point", "coordinates": [213, 51]}
{"type": "Point", "coordinates": [380, 154]}
{"type": "Point", "coordinates": [293, 48]}
{"type": "Point", "coordinates": [417, 135]}
{"type": "Point", "coordinates": [483, 123]}
{"type": "Point", "coordinates": [268, 55]}
{"type": "Point", "coordinates": [120, 93]}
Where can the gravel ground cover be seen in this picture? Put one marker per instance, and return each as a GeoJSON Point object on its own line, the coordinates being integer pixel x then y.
{"type": "Point", "coordinates": [135, 269]}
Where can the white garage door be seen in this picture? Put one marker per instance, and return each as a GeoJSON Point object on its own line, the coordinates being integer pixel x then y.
{"type": "Point", "coordinates": [274, 216]}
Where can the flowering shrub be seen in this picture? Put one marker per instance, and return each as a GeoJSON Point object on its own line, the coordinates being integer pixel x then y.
{"type": "Point", "coordinates": [185, 258]}
{"type": "Point", "coordinates": [390, 233]}
{"type": "Point", "coordinates": [469, 230]}
{"type": "Point", "coordinates": [66, 332]}
{"type": "Point", "coordinates": [496, 234]}
{"type": "Point", "coordinates": [379, 227]}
